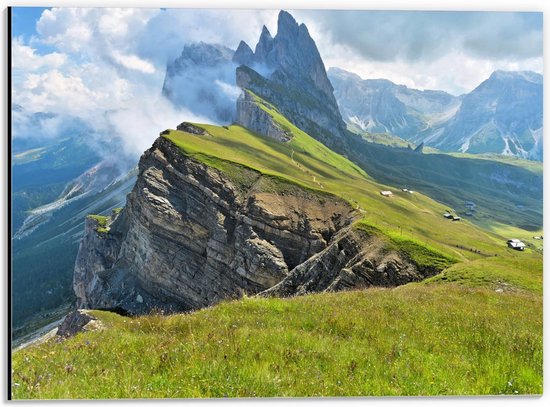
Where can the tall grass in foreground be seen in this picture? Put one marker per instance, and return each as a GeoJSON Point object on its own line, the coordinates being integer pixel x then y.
{"type": "Point", "coordinates": [439, 339]}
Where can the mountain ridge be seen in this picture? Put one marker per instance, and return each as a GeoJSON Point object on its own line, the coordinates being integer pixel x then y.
{"type": "Point", "coordinates": [379, 105]}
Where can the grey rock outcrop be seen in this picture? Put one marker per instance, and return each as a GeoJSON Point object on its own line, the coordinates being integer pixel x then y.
{"type": "Point", "coordinates": [243, 54]}
{"type": "Point", "coordinates": [253, 117]}
{"type": "Point", "coordinates": [191, 128]}
{"type": "Point", "coordinates": [354, 259]}
{"type": "Point", "coordinates": [74, 322]}
{"type": "Point", "coordinates": [189, 237]}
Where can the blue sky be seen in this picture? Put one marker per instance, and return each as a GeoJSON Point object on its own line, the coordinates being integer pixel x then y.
{"type": "Point", "coordinates": [24, 21]}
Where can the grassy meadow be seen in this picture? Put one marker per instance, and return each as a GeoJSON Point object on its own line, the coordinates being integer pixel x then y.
{"type": "Point", "coordinates": [412, 340]}
{"type": "Point", "coordinates": [474, 329]}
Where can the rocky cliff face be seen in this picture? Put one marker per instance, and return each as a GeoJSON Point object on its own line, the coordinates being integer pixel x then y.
{"type": "Point", "coordinates": [354, 259]}
{"type": "Point", "coordinates": [251, 116]}
{"type": "Point", "coordinates": [191, 236]}
{"type": "Point", "coordinates": [288, 72]}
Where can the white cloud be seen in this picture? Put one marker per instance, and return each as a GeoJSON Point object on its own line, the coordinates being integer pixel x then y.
{"type": "Point", "coordinates": [25, 57]}
{"type": "Point", "coordinates": [92, 31]}
{"type": "Point", "coordinates": [455, 71]}
{"type": "Point", "coordinates": [56, 92]}
{"type": "Point", "coordinates": [167, 31]}
{"type": "Point", "coordinates": [133, 62]}
{"type": "Point", "coordinates": [139, 123]}
{"type": "Point", "coordinates": [109, 63]}
{"type": "Point", "coordinates": [232, 91]}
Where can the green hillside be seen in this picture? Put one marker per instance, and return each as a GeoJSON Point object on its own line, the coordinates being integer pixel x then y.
{"type": "Point", "coordinates": [411, 340]}
{"type": "Point", "coordinates": [504, 193]}
{"type": "Point", "coordinates": [474, 329]}
{"type": "Point", "coordinates": [386, 139]}
{"type": "Point", "coordinates": [533, 166]}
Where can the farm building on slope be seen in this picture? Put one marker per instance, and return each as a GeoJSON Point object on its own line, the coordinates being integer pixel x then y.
{"type": "Point", "coordinates": [516, 244]}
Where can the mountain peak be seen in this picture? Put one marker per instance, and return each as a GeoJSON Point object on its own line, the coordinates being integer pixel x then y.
{"type": "Point", "coordinates": [529, 76]}
{"type": "Point", "coordinates": [286, 24]}
{"type": "Point", "coordinates": [264, 46]}
{"type": "Point", "coordinates": [343, 74]}
{"type": "Point", "coordinates": [265, 33]}
{"type": "Point", "coordinates": [294, 67]}
{"type": "Point", "coordinates": [244, 54]}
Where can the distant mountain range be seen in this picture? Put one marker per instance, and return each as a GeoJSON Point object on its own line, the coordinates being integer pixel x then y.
{"type": "Point", "coordinates": [502, 115]}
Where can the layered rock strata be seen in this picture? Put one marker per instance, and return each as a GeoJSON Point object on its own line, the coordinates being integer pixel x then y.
{"type": "Point", "coordinates": [190, 236]}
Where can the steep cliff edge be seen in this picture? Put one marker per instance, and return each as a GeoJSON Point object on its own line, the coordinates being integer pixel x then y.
{"type": "Point", "coordinates": [190, 236]}
{"type": "Point", "coordinates": [198, 229]}
{"type": "Point", "coordinates": [251, 116]}
{"type": "Point", "coordinates": [354, 259]}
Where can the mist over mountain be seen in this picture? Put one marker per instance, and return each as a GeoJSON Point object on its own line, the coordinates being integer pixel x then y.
{"type": "Point", "coordinates": [202, 79]}
{"type": "Point", "coordinates": [62, 169]}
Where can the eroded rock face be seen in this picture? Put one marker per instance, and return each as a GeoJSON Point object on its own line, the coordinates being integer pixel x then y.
{"type": "Point", "coordinates": [354, 259]}
{"type": "Point", "coordinates": [288, 72]}
{"type": "Point", "coordinates": [189, 237]}
{"type": "Point", "coordinates": [251, 116]}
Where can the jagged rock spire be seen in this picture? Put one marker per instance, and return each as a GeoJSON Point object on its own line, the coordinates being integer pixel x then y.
{"type": "Point", "coordinates": [296, 81]}
{"type": "Point", "coordinates": [264, 46]}
{"type": "Point", "coordinates": [244, 54]}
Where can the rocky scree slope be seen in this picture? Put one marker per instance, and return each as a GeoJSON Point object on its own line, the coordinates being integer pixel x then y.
{"type": "Point", "coordinates": [192, 235]}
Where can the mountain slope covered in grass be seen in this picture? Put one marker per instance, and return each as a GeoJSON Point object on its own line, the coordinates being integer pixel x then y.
{"type": "Point", "coordinates": [436, 339]}
{"type": "Point", "coordinates": [476, 328]}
